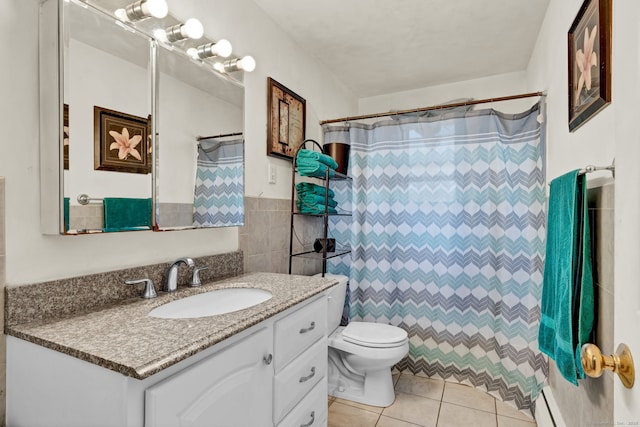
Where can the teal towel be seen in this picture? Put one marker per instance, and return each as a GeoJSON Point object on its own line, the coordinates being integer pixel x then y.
{"type": "Point", "coordinates": [314, 199]}
{"type": "Point", "coordinates": [567, 304]}
{"type": "Point", "coordinates": [307, 167]}
{"type": "Point", "coordinates": [305, 154]}
{"type": "Point", "coordinates": [315, 209]}
{"type": "Point", "coordinates": [66, 214]}
{"type": "Point", "coordinates": [310, 188]}
{"type": "Point", "coordinates": [121, 214]}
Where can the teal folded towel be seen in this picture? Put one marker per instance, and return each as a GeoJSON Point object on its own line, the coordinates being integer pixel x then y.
{"type": "Point", "coordinates": [308, 167]}
{"type": "Point", "coordinates": [567, 304]}
{"type": "Point", "coordinates": [311, 188]}
{"type": "Point", "coordinates": [314, 209]}
{"type": "Point", "coordinates": [314, 199]}
{"type": "Point", "coordinates": [305, 154]}
{"type": "Point", "coordinates": [121, 214]}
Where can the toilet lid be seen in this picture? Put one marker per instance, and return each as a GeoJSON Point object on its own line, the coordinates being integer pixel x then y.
{"type": "Point", "coordinates": [374, 334]}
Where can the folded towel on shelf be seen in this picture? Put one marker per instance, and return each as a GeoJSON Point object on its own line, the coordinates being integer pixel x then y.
{"type": "Point", "coordinates": [314, 209]}
{"type": "Point", "coordinates": [126, 214]}
{"type": "Point", "coordinates": [308, 167]}
{"type": "Point", "coordinates": [315, 199]}
{"type": "Point", "coordinates": [305, 154]}
{"type": "Point", "coordinates": [567, 304]}
{"type": "Point", "coordinates": [311, 188]}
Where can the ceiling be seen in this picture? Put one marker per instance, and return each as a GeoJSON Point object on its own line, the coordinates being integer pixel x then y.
{"type": "Point", "coordinates": [376, 47]}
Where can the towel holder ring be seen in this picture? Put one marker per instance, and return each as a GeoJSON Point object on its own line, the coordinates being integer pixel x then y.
{"type": "Point", "coordinates": [595, 363]}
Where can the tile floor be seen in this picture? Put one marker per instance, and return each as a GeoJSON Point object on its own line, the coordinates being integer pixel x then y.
{"type": "Point", "coordinates": [426, 402]}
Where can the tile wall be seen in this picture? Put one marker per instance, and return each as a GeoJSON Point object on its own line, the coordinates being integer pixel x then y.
{"type": "Point", "coordinates": [176, 214]}
{"type": "Point", "coordinates": [264, 239]}
{"type": "Point", "coordinates": [592, 402]}
{"type": "Point", "coordinates": [3, 353]}
{"type": "Point", "coordinates": [86, 217]}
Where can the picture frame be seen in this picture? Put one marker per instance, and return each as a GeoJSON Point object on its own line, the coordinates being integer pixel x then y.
{"type": "Point", "coordinates": [121, 142]}
{"type": "Point", "coordinates": [589, 52]}
{"type": "Point", "coordinates": [286, 119]}
{"type": "Point", "coordinates": [65, 136]}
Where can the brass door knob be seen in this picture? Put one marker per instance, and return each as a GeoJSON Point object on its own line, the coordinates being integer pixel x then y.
{"type": "Point", "coordinates": [594, 363]}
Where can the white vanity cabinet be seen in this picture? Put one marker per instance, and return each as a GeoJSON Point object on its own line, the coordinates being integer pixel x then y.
{"type": "Point", "coordinates": [272, 374]}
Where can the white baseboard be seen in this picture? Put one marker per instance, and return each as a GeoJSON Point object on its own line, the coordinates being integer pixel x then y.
{"type": "Point", "coordinates": [547, 410]}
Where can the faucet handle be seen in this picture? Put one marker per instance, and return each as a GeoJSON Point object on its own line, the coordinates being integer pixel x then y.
{"type": "Point", "coordinates": [149, 288]}
{"type": "Point", "coordinates": [195, 279]}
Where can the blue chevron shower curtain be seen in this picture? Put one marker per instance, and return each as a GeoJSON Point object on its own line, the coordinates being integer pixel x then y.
{"type": "Point", "coordinates": [447, 237]}
{"type": "Point", "coordinates": [219, 190]}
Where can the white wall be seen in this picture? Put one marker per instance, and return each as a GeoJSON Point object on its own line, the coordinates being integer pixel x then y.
{"type": "Point", "coordinates": [484, 88]}
{"type": "Point", "coordinates": [615, 131]}
{"type": "Point", "coordinates": [32, 257]}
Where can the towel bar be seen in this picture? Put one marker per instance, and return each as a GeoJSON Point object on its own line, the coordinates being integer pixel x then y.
{"type": "Point", "coordinates": [84, 199]}
{"type": "Point", "coordinates": [593, 168]}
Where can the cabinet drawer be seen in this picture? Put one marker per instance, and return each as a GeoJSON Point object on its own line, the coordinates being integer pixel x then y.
{"type": "Point", "coordinates": [298, 378]}
{"type": "Point", "coordinates": [311, 411]}
{"type": "Point", "coordinates": [298, 331]}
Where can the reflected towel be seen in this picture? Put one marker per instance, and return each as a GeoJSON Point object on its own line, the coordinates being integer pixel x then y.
{"type": "Point", "coordinates": [126, 214]}
{"type": "Point", "coordinates": [66, 214]}
{"type": "Point", "coordinates": [315, 209]}
{"type": "Point", "coordinates": [307, 167]}
{"type": "Point", "coordinates": [310, 188]}
{"type": "Point", "coordinates": [314, 199]}
{"type": "Point", "coordinates": [305, 154]}
{"type": "Point", "coordinates": [567, 304]}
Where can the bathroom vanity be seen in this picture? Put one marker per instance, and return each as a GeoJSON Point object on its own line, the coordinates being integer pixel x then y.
{"type": "Point", "coordinates": [261, 366]}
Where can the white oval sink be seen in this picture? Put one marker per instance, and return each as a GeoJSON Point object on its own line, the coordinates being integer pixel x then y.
{"type": "Point", "coordinates": [212, 303]}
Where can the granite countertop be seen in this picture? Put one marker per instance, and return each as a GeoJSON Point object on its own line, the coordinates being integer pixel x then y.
{"type": "Point", "coordinates": [125, 339]}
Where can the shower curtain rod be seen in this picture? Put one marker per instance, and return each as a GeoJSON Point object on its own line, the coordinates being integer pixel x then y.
{"type": "Point", "coordinates": [435, 107]}
{"type": "Point", "coordinates": [222, 135]}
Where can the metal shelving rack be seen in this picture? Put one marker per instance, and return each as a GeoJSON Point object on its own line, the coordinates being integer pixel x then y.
{"type": "Point", "coordinates": [324, 255]}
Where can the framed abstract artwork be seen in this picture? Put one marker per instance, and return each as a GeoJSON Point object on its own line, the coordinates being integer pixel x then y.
{"type": "Point", "coordinates": [589, 62]}
{"type": "Point", "coordinates": [121, 142]}
{"type": "Point", "coordinates": [285, 120]}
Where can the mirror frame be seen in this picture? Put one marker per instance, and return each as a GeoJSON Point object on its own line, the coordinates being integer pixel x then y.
{"type": "Point", "coordinates": [51, 78]}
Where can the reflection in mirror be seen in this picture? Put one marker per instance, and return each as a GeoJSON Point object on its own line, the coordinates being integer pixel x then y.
{"type": "Point", "coordinates": [107, 97]}
{"type": "Point", "coordinates": [200, 147]}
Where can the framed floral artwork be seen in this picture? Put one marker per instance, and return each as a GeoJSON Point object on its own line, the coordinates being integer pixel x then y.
{"type": "Point", "coordinates": [589, 62]}
{"type": "Point", "coordinates": [121, 142]}
{"type": "Point", "coordinates": [285, 120]}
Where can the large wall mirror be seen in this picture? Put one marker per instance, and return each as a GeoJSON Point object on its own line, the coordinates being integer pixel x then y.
{"type": "Point", "coordinates": [138, 135]}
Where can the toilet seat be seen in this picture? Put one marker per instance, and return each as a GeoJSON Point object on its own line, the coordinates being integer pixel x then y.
{"type": "Point", "coordinates": [375, 335]}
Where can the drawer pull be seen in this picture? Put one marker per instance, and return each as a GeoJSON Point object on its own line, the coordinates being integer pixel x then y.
{"type": "Point", "coordinates": [311, 327]}
{"type": "Point", "coordinates": [313, 418]}
{"type": "Point", "coordinates": [267, 359]}
{"type": "Point", "coordinates": [308, 377]}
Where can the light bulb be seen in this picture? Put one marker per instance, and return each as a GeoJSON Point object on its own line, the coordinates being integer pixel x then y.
{"type": "Point", "coordinates": [156, 8]}
{"type": "Point", "coordinates": [121, 14]}
{"type": "Point", "coordinates": [160, 35]}
{"type": "Point", "coordinates": [192, 29]}
{"type": "Point", "coordinates": [223, 48]}
{"type": "Point", "coordinates": [192, 52]}
{"type": "Point", "coordinates": [219, 67]}
{"type": "Point", "coordinates": [247, 63]}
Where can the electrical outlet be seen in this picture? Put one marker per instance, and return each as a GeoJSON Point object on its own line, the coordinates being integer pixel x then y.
{"type": "Point", "coordinates": [273, 175]}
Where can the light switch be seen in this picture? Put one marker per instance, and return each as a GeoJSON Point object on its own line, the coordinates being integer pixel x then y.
{"type": "Point", "coordinates": [273, 175]}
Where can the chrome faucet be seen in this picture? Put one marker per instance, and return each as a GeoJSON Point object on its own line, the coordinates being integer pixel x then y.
{"type": "Point", "coordinates": [171, 279]}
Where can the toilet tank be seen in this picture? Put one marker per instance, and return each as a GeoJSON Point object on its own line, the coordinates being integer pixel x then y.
{"type": "Point", "coordinates": [335, 301]}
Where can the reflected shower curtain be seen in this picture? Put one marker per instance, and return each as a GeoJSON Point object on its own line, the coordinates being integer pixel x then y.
{"type": "Point", "coordinates": [219, 189]}
{"type": "Point", "coordinates": [447, 239]}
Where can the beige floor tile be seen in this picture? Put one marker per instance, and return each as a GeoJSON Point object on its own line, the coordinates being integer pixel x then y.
{"type": "Point", "coordinates": [512, 422]}
{"type": "Point", "coordinates": [463, 395]}
{"type": "Point", "coordinates": [392, 422]}
{"type": "Point", "coordinates": [348, 416]}
{"type": "Point", "coordinates": [414, 409]}
{"type": "Point", "coordinates": [375, 409]}
{"type": "Point", "coordinates": [421, 386]}
{"type": "Point", "coordinates": [509, 411]}
{"type": "Point", "coordinates": [457, 416]}
{"type": "Point", "coordinates": [395, 377]}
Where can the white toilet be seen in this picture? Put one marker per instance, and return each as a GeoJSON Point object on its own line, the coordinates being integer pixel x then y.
{"type": "Point", "coordinates": [361, 354]}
